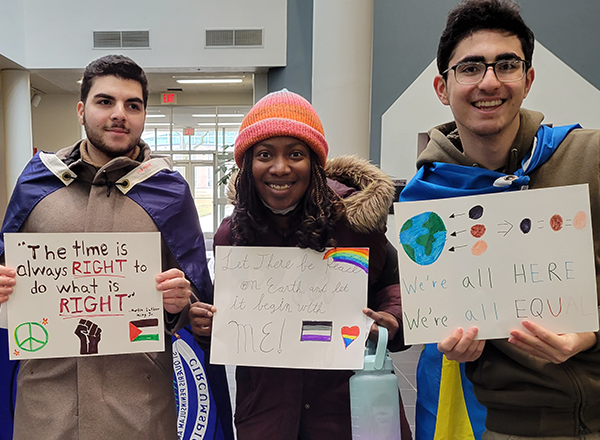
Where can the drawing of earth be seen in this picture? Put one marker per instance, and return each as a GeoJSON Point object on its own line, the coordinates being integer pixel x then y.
{"type": "Point", "coordinates": [423, 238]}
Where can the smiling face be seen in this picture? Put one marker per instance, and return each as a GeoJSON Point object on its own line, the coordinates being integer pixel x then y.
{"type": "Point", "coordinates": [490, 108]}
{"type": "Point", "coordinates": [113, 116]}
{"type": "Point", "coordinates": [281, 170]}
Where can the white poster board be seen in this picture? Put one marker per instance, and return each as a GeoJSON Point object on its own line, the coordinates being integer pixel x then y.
{"type": "Point", "coordinates": [3, 316]}
{"type": "Point", "coordinates": [492, 261]}
{"type": "Point", "coordinates": [84, 294]}
{"type": "Point", "coordinates": [290, 307]}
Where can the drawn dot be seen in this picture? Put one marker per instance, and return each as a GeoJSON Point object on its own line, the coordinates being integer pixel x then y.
{"type": "Point", "coordinates": [580, 220]}
{"type": "Point", "coordinates": [525, 225]}
{"type": "Point", "coordinates": [476, 212]}
{"type": "Point", "coordinates": [477, 231]}
{"type": "Point", "coordinates": [556, 222]}
{"type": "Point", "coordinates": [479, 248]}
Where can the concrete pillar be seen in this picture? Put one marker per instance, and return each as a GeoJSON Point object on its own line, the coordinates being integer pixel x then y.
{"type": "Point", "coordinates": [341, 84]}
{"type": "Point", "coordinates": [18, 138]}
{"type": "Point", "coordinates": [261, 86]}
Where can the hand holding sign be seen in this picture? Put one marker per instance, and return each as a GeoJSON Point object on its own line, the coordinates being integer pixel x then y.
{"type": "Point", "coordinates": [175, 289]}
{"type": "Point", "coordinates": [461, 346]}
{"type": "Point", "coordinates": [201, 316]}
{"type": "Point", "coordinates": [7, 281]}
{"type": "Point", "coordinates": [550, 346]}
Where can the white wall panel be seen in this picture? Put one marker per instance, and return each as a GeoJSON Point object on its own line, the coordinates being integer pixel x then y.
{"type": "Point", "coordinates": [59, 33]}
{"type": "Point", "coordinates": [12, 30]}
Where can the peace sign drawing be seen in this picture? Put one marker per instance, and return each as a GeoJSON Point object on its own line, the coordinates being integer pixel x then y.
{"type": "Point", "coordinates": [31, 336]}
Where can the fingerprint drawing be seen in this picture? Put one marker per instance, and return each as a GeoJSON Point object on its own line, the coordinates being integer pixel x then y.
{"type": "Point", "coordinates": [479, 248]}
{"type": "Point", "coordinates": [476, 212]}
{"type": "Point", "coordinates": [580, 220]}
{"type": "Point", "coordinates": [556, 222]}
{"type": "Point", "coordinates": [525, 225]}
{"type": "Point", "coordinates": [477, 231]}
{"type": "Point", "coordinates": [423, 238]}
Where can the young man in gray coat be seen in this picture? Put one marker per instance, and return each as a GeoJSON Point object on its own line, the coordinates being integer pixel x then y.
{"type": "Point", "coordinates": [108, 182]}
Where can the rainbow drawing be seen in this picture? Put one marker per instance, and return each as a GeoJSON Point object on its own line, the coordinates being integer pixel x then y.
{"type": "Point", "coordinates": [358, 257]}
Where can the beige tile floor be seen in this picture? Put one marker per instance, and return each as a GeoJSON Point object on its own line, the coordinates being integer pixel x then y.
{"type": "Point", "coordinates": [405, 365]}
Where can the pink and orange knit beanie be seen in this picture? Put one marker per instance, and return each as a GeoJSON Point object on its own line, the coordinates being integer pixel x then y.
{"type": "Point", "coordinates": [281, 113]}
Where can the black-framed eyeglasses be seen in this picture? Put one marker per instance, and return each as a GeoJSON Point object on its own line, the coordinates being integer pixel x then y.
{"type": "Point", "coordinates": [472, 72]}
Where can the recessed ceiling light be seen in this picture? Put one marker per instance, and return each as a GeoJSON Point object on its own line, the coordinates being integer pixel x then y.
{"type": "Point", "coordinates": [210, 81]}
{"type": "Point", "coordinates": [156, 116]}
{"type": "Point", "coordinates": [158, 123]}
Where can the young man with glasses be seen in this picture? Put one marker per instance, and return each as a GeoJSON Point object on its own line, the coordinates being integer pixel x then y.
{"type": "Point", "coordinates": [535, 384]}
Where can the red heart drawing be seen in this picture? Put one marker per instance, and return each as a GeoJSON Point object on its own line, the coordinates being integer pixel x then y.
{"type": "Point", "coordinates": [349, 334]}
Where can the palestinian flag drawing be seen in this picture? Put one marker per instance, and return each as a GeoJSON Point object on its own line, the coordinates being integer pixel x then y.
{"type": "Point", "coordinates": [143, 330]}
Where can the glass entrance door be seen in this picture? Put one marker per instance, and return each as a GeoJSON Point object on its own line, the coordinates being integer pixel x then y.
{"type": "Point", "coordinates": [200, 143]}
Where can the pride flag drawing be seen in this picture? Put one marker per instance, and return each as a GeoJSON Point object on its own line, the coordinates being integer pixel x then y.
{"type": "Point", "coordinates": [316, 331]}
{"type": "Point", "coordinates": [358, 257]}
{"type": "Point", "coordinates": [349, 334]}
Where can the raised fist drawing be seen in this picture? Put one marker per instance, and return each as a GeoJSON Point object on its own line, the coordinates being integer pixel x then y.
{"type": "Point", "coordinates": [89, 335]}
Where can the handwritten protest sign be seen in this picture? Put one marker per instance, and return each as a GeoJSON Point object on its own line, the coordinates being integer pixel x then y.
{"type": "Point", "coordinates": [492, 261]}
{"type": "Point", "coordinates": [84, 294]}
{"type": "Point", "coordinates": [3, 316]}
{"type": "Point", "coordinates": [290, 307]}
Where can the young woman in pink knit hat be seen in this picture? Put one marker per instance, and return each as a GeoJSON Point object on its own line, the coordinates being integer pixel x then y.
{"type": "Point", "coordinates": [287, 193]}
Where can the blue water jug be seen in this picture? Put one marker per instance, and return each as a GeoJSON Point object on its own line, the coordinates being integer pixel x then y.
{"type": "Point", "coordinates": [374, 401]}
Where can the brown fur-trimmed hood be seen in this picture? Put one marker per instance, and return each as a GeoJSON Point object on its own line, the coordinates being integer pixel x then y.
{"type": "Point", "coordinates": [366, 208]}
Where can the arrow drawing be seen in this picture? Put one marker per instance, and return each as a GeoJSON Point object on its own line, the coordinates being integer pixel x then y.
{"type": "Point", "coordinates": [508, 224]}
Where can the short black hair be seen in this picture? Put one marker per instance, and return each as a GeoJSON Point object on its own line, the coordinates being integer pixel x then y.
{"type": "Point", "coordinates": [470, 16]}
{"type": "Point", "coordinates": [116, 65]}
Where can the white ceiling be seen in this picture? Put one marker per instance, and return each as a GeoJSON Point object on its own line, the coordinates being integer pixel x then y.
{"type": "Point", "coordinates": [65, 81]}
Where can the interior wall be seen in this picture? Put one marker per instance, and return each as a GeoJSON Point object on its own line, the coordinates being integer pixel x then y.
{"type": "Point", "coordinates": [3, 183]}
{"type": "Point", "coordinates": [12, 30]}
{"type": "Point", "coordinates": [177, 32]}
{"type": "Point", "coordinates": [54, 122]}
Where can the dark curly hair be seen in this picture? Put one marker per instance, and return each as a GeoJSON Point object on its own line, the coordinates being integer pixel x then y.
{"type": "Point", "coordinates": [320, 208]}
{"type": "Point", "coordinates": [470, 16]}
{"type": "Point", "coordinates": [113, 65]}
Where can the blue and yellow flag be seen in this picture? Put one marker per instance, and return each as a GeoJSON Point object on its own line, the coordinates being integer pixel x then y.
{"type": "Point", "coordinates": [446, 405]}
